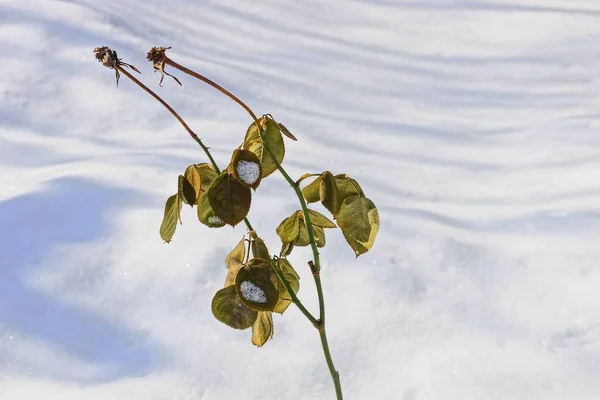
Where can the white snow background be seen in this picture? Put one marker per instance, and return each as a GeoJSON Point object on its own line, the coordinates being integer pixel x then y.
{"type": "Point", "coordinates": [473, 125]}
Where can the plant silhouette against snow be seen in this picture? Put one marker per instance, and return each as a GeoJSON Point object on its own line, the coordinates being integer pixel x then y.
{"type": "Point", "coordinates": [258, 282]}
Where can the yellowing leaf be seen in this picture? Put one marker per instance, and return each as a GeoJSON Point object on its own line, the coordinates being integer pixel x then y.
{"type": "Point", "coordinates": [234, 268]}
{"type": "Point", "coordinates": [347, 187]}
{"type": "Point", "coordinates": [190, 189]}
{"type": "Point", "coordinates": [319, 236]}
{"type": "Point", "coordinates": [262, 329]}
{"type": "Point", "coordinates": [272, 139]}
{"type": "Point", "coordinates": [229, 199]}
{"type": "Point", "coordinates": [293, 279]}
{"type": "Point", "coordinates": [328, 193]}
{"type": "Point", "coordinates": [237, 254]}
{"type": "Point", "coordinates": [179, 198]}
{"type": "Point", "coordinates": [302, 239]}
{"type": "Point", "coordinates": [227, 308]}
{"type": "Point", "coordinates": [312, 191]}
{"type": "Point", "coordinates": [359, 221]}
{"type": "Point", "coordinates": [288, 229]}
{"type": "Point", "coordinates": [169, 222]}
{"type": "Point", "coordinates": [319, 219]}
{"type": "Point", "coordinates": [207, 176]}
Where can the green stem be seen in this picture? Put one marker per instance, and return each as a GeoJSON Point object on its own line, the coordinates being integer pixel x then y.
{"type": "Point", "coordinates": [217, 170]}
{"type": "Point", "coordinates": [320, 323]}
{"type": "Point", "coordinates": [292, 294]}
{"type": "Point", "coordinates": [323, 335]}
{"type": "Point", "coordinates": [181, 121]}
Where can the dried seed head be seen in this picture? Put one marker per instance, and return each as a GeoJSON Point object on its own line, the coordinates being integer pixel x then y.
{"type": "Point", "coordinates": [106, 56]}
{"type": "Point", "coordinates": [109, 59]}
{"type": "Point", "coordinates": [157, 57]}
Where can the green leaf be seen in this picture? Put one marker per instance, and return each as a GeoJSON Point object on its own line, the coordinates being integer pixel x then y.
{"type": "Point", "coordinates": [272, 138]}
{"type": "Point", "coordinates": [227, 308]}
{"type": "Point", "coordinates": [293, 279]}
{"type": "Point", "coordinates": [255, 284]}
{"type": "Point", "coordinates": [206, 214]}
{"type": "Point", "coordinates": [246, 167]}
{"type": "Point", "coordinates": [229, 198]}
{"type": "Point", "coordinates": [328, 193]}
{"type": "Point", "coordinates": [263, 328]}
{"type": "Point", "coordinates": [190, 188]}
{"type": "Point", "coordinates": [359, 221]}
{"type": "Point", "coordinates": [312, 191]}
{"type": "Point", "coordinates": [288, 229]}
{"type": "Point", "coordinates": [259, 249]}
{"type": "Point", "coordinates": [319, 219]}
{"type": "Point", "coordinates": [169, 222]}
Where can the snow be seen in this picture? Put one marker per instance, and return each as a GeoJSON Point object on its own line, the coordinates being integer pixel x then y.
{"type": "Point", "coordinates": [471, 124]}
{"type": "Point", "coordinates": [215, 220]}
{"type": "Point", "coordinates": [248, 171]}
{"type": "Point", "coordinates": [252, 293]}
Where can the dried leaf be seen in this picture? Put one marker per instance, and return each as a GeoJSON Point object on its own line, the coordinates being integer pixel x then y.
{"type": "Point", "coordinates": [286, 132]}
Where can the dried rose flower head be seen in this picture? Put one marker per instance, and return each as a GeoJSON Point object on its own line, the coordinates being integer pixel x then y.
{"type": "Point", "coordinates": [109, 59]}
{"type": "Point", "coordinates": [157, 57]}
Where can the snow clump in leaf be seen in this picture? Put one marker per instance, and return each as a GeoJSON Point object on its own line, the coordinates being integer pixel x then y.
{"type": "Point", "coordinates": [253, 293]}
{"type": "Point", "coordinates": [248, 171]}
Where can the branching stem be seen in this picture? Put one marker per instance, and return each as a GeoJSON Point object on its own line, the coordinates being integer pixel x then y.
{"type": "Point", "coordinates": [316, 266]}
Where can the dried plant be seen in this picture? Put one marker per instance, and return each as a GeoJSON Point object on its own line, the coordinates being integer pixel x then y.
{"type": "Point", "coordinates": [259, 282]}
